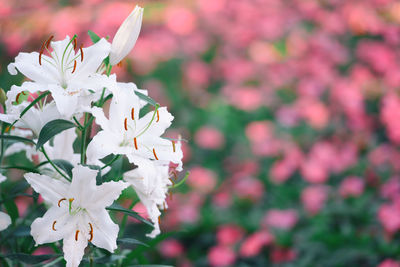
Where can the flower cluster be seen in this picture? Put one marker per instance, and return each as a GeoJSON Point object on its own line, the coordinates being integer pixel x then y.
{"type": "Point", "coordinates": [67, 86]}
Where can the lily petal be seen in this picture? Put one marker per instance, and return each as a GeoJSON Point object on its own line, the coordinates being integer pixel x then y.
{"type": "Point", "coordinates": [105, 231]}
{"type": "Point", "coordinates": [51, 190]}
{"type": "Point", "coordinates": [5, 221]}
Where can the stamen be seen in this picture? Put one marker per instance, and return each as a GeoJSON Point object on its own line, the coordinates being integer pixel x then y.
{"type": "Point", "coordinates": [16, 99]}
{"type": "Point", "coordinates": [91, 232]}
{"type": "Point", "coordinates": [74, 67]}
{"type": "Point", "coordinates": [135, 141]}
{"type": "Point", "coordinates": [158, 116]}
{"type": "Point", "coordinates": [159, 219]}
{"type": "Point", "coordinates": [59, 202]}
{"type": "Point", "coordinates": [155, 155]}
{"type": "Point", "coordinates": [76, 235]}
{"type": "Point", "coordinates": [173, 145]}
{"type": "Point", "coordinates": [48, 41]}
{"type": "Point", "coordinates": [75, 43]}
{"type": "Point", "coordinates": [172, 181]}
{"type": "Point", "coordinates": [54, 224]}
{"type": "Point", "coordinates": [70, 204]}
{"type": "Point", "coordinates": [133, 113]}
{"type": "Point", "coordinates": [119, 64]}
{"type": "Point", "coordinates": [80, 48]}
{"type": "Point", "coordinates": [41, 52]}
{"type": "Point", "coordinates": [125, 124]}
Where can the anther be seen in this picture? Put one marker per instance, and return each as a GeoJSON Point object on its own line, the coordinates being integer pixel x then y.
{"type": "Point", "coordinates": [126, 124]}
{"type": "Point", "coordinates": [75, 43]}
{"type": "Point", "coordinates": [159, 219]}
{"type": "Point", "coordinates": [17, 98]}
{"type": "Point", "coordinates": [173, 145]}
{"type": "Point", "coordinates": [91, 232]}
{"type": "Point", "coordinates": [80, 48]}
{"type": "Point", "coordinates": [155, 155]}
{"type": "Point", "coordinates": [119, 64]}
{"type": "Point", "coordinates": [74, 67]}
{"type": "Point", "coordinates": [172, 181]}
{"type": "Point", "coordinates": [76, 235]}
{"type": "Point", "coordinates": [48, 41]}
{"type": "Point", "coordinates": [54, 224]}
{"type": "Point", "coordinates": [41, 52]}
{"type": "Point", "coordinates": [135, 141]}
{"type": "Point", "coordinates": [133, 113]}
{"type": "Point", "coordinates": [59, 202]}
{"type": "Point", "coordinates": [158, 116]}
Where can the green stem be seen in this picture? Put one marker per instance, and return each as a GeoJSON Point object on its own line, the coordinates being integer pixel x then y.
{"type": "Point", "coordinates": [111, 162]}
{"type": "Point", "coordinates": [83, 141]}
{"type": "Point", "coordinates": [54, 166]}
{"type": "Point", "coordinates": [125, 218]}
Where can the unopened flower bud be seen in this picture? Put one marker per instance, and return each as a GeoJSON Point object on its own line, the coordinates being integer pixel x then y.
{"type": "Point", "coordinates": [126, 36]}
{"type": "Point", "coordinates": [3, 96]}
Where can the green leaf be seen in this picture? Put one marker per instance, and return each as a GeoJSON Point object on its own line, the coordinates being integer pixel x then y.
{"type": "Point", "coordinates": [30, 259]}
{"type": "Point", "coordinates": [17, 138]}
{"type": "Point", "coordinates": [33, 103]}
{"type": "Point", "coordinates": [150, 265]}
{"type": "Point", "coordinates": [12, 209]}
{"type": "Point", "coordinates": [64, 165]}
{"type": "Point", "coordinates": [24, 168]}
{"type": "Point", "coordinates": [51, 129]}
{"type": "Point", "coordinates": [116, 207]}
{"type": "Point", "coordinates": [95, 38]}
{"type": "Point", "coordinates": [146, 98]}
{"type": "Point", "coordinates": [131, 241]}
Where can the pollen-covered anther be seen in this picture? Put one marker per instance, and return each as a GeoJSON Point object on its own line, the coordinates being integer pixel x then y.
{"type": "Point", "coordinates": [53, 226]}
{"type": "Point", "coordinates": [126, 124]}
{"type": "Point", "coordinates": [74, 67]}
{"type": "Point", "coordinates": [135, 142]}
{"type": "Point", "coordinates": [158, 116]}
{"type": "Point", "coordinates": [76, 235]}
{"type": "Point", "coordinates": [173, 145]}
{"type": "Point", "coordinates": [48, 41]}
{"type": "Point", "coordinates": [155, 155]}
{"type": "Point", "coordinates": [61, 200]}
{"type": "Point", "coordinates": [80, 48]}
{"type": "Point", "coordinates": [90, 232]}
{"type": "Point", "coordinates": [159, 219]}
{"type": "Point", "coordinates": [133, 113]}
{"type": "Point", "coordinates": [75, 43]}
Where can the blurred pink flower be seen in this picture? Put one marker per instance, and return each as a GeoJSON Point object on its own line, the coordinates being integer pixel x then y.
{"type": "Point", "coordinates": [220, 256]}
{"type": "Point", "coordinates": [246, 98]}
{"type": "Point", "coordinates": [249, 188]}
{"type": "Point", "coordinates": [209, 138]}
{"type": "Point", "coordinates": [254, 243]}
{"type": "Point", "coordinates": [180, 20]}
{"type": "Point", "coordinates": [222, 199]}
{"type": "Point", "coordinates": [389, 263]}
{"type": "Point", "coordinates": [171, 248]}
{"type": "Point", "coordinates": [229, 234]}
{"type": "Point", "coordinates": [351, 186]}
{"type": "Point", "coordinates": [280, 255]}
{"type": "Point", "coordinates": [197, 73]}
{"type": "Point", "coordinates": [281, 219]}
{"type": "Point", "coordinates": [313, 171]}
{"type": "Point", "coordinates": [389, 216]}
{"type": "Point", "coordinates": [391, 189]}
{"type": "Point", "coordinates": [389, 112]}
{"type": "Point", "coordinates": [202, 180]}
{"type": "Point", "coordinates": [313, 198]}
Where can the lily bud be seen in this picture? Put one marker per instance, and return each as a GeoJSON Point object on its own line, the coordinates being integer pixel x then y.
{"type": "Point", "coordinates": [126, 36]}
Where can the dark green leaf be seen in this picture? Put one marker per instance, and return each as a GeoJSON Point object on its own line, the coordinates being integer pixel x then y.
{"type": "Point", "coordinates": [64, 165]}
{"type": "Point", "coordinates": [22, 231]}
{"type": "Point", "coordinates": [51, 129]}
{"type": "Point", "coordinates": [116, 207]}
{"type": "Point", "coordinates": [12, 209]}
{"type": "Point", "coordinates": [146, 98]}
{"type": "Point", "coordinates": [94, 37]}
{"type": "Point", "coordinates": [30, 259]}
{"type": "Point", "coordinates": [131, 241]}
{"type": "Point", "coordinates": [33, 103]}
{"type": "Point", "coordinates": [17, 138]}
{"type": "Point", "coordinates": [150, 265]}
{"type": "Point", "coordinates": [20, 168]}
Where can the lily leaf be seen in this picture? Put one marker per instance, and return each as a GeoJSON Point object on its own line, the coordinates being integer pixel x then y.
{"type": "Point", "coordinates": [51, 129]}
{"type": "Point", "coordinates": [17, 138]}
{"type": "Point", "coordinates": [94, 37]}
{"type": "Point", "coordinates": [131, 241]}
{"type": "Point", "coordinates": [146, 98]}
{"type": "Point", "coordinates": [64, 165]}
{"type": "Point", "coordinates": [117, 207]}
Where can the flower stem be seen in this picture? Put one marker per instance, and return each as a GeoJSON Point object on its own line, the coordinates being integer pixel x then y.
{"type": "Point", "coordinates": [54, 165]}
{"type": "Point", "coordinates": [83, 141]}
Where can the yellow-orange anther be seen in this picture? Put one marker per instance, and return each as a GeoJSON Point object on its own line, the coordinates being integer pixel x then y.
{"type": "Point", "coordinates": [158, 116]}
{"type": "Point", "coordinates": [74, 67]}
{"type": "Point", "coordinates": [80, 48]}
{"type": "Point", "coordinates": [54, 224]}
{"type": "Point", "coordinates": [132, 112]}
{"type": "Point", "coordinates": [155, 155]}
{"type": "Point", "coordinates": [135, 141]}
{"type": "Point", "coordinates": [173, 146]}
{"type": "Point", "coordinates": [126, 124]}
{"type": "Point", "coordinates": [59, 202]}
{"type": "Point", "coordinates": [91, 232]}
{"type": "Point", "coordinates": [76, 235]}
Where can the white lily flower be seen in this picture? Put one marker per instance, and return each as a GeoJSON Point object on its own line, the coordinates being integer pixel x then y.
{"type": "Point", "coordinates": [70, 76]}
{"type": "Point", "coordinates": [5, 219]}
{"type": "Point", "coordinates": [127, 134]}
{"type": "Point", "coordinates": [150, 182]}
{"type": "Point", "coordinates": [36, 117]}
{"type": "Point", "coordinates": [77, 213]}
{"type": "Point", "coordinates": [126, 36]}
